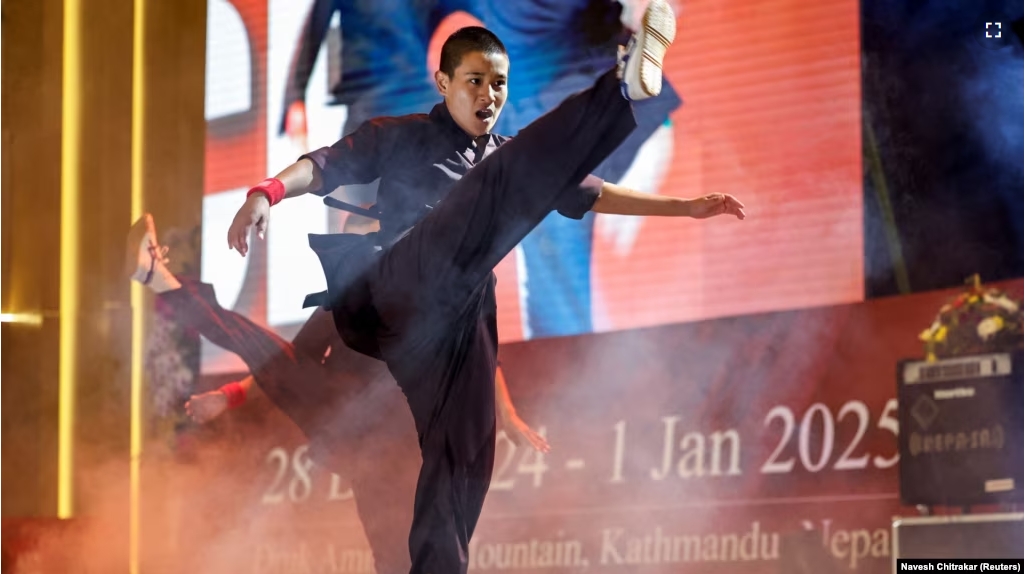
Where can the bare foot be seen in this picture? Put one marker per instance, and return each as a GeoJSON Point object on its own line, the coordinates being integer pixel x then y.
{"type": "Point", "coordinates": [143, 250]}
{"type": "Point", "coordinates": [207, 406]}
{"type": "Point", "coordinates": [146, 260]}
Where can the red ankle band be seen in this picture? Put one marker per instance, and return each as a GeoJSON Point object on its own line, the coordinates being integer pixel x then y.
{"type": "Point", "coordinates": [272, 188]}
{"type": "Point", "coordinates": [236, 394]}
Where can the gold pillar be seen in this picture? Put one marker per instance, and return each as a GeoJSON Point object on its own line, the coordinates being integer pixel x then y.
{"type": "Point", "coordinates": [173, 151]}
{"type": "Point", "coordinates": [31, 191]}
{"type": "Point", "coordinates": [104, 182]}
{"type": "Point", "coordinates": [69, 172]}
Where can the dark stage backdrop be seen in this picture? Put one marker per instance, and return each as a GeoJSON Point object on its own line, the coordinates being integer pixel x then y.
{"type": "Point", "coordinates": [952, 185]}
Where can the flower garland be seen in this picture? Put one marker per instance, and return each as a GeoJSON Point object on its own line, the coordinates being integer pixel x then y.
{"type": "Point", "coordinates": [975, 322]}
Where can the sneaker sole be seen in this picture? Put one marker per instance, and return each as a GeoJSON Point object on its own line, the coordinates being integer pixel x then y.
{"type": "Point", "coordinates": [656, 35]}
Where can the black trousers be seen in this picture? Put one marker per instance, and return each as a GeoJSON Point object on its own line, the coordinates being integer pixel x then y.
{"type": "Point", "coordinates": [348, 407]}
{"type": "Point", "coordinates": [426, 304]}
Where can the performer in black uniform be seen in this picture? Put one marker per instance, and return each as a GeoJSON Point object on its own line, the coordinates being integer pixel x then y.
{"type": "Point", "coordinates": [453, 201]}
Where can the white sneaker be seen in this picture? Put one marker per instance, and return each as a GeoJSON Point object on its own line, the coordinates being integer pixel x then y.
{"type": "Point", "coordinates": [144, 253]}
{"type": "Point", "coordinates": [641, 62]}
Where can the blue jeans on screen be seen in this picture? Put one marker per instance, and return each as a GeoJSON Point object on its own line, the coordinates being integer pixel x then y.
{"type": "Point", "coordinates": [555, 54]}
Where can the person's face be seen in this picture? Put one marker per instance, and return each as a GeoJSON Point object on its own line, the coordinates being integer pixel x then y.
{"type": "Point", "coordinates": [476, 92]}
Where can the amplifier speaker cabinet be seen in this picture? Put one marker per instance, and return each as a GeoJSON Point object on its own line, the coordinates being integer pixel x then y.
{"type": "Point", "coordinates": [961, 430]}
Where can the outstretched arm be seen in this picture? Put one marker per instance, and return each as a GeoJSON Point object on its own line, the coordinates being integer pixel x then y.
{"type": "Point", "coordinates": [517, 430]}
{"type": "Point", "coordinates": [356, 158]}
{"type": "Point", "coordinates": [210, 405]}
{"type": "Point", "coordinates": [615, 199]}
{"type": "Point", "coordinates": [300, 178]}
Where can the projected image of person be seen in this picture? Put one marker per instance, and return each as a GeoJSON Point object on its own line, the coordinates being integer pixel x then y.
{"type": "Point", "coordinates": [560, 48]}
{"type": "Point", "coordinates": [454, 200]}
{"type": "Point", "coordinates": [346, 404]}
{"type": "Point", "coordinates": [377, 68]}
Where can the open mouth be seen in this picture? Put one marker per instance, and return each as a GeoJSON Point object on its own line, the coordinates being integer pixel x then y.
{"type": "Point", "coordinates": [485, 115]}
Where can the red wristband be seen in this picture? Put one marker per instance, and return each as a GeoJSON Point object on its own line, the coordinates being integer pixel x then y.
{"type": "Point", "coordinates": [272, 188]}
{"type": "Point", "coordinates": [236, 394]}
